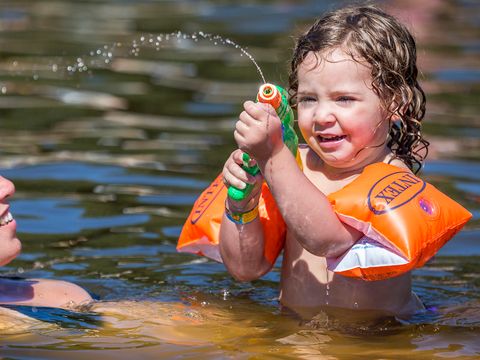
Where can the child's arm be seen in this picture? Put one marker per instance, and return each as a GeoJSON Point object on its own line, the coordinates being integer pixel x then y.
{"type": "Point", "coordinates": [305, 209]}
{"type": "Point", "coordinates": [242, 245]}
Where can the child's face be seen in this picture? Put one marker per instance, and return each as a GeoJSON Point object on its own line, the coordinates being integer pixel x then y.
{"type": "Point", "coordinates": [10, 246]}
{"type": "Point", "coordinates": [339, 115]}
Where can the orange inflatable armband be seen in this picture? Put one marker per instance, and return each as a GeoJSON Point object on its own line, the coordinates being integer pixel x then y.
{"type": "Point", "coordinates": [200, 233]}
{"type": "Point", "coordinates": [405, 221]}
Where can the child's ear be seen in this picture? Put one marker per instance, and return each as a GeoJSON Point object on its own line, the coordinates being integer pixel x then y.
{"type": "Point", "coordinates": [395, 117]}
{"type": "Point", "coordinates": [398, 106]}
{"type": "Point", "coordinates": [394, 110]}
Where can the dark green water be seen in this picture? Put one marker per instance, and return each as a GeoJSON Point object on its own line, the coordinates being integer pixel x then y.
{"type": "Point", "coordinates": [107, 162]}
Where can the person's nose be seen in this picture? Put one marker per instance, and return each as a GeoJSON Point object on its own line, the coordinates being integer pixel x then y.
{"type": "Point", "coordinates": [7, 188]}
{"type": "Point", "coordinates": [324, 116]}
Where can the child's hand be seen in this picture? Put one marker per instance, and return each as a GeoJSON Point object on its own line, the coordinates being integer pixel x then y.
{"type": "Point", "coordinates": [235, 175]}
{"type": "Point", "coordinates": [258, 131]}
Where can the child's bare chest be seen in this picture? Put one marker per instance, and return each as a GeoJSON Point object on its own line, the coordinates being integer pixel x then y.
{"type": "Point", "coordinates": [307, 282]}
{"type": "Point", "coordinates": [325, 184]}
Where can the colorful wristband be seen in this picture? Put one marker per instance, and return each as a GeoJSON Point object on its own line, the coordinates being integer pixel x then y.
{"type": "Point", "coordinates": [242, 218]}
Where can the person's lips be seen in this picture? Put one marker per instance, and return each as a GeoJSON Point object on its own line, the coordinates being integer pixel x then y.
{"type": "Point", "coordinates": [330, 138]}
{"type": "Point", "coordinates": [6, 218]}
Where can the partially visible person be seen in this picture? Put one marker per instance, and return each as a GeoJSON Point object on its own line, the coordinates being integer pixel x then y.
{"type": "Point", "coordinates": [29, 292]}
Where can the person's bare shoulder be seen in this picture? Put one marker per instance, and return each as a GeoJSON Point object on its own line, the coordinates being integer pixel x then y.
{"type": "Point", "coordinates": [58, 293]}
{"type": "Point", "coordinates": [398, 162]}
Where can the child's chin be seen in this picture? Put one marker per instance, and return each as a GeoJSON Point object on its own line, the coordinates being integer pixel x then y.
{"type": "Point", "coordinates": [337, 160]}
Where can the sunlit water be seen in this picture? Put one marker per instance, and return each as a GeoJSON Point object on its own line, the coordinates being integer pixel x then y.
{"type": "Point", "coordinates": [109, 154]}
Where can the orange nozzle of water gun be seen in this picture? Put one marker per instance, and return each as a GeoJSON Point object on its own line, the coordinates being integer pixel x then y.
{"type": "Point", "coordinates": [268, 93]}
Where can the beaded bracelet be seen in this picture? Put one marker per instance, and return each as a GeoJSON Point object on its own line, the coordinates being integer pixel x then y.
{"type": "Point", "coordinates": [242, 218]}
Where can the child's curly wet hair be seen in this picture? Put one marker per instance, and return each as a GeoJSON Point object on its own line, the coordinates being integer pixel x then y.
{"type": "Point", "coordinates": [370, 35]}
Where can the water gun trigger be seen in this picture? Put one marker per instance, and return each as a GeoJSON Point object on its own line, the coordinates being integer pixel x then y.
{"type": "Point", "coordinates": [251, 169]}
{"type": "Point", "coordinates": [278, 98]}
{"type": "Point", "coordinates": [245, 159]}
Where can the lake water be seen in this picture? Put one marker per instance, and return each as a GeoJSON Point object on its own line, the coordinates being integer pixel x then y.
{"type": "Point", "coordinates": [108, 160]}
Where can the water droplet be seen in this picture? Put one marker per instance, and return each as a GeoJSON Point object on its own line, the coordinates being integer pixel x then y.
{"type": "Point", "coordinates": [327, 286]}
{"type": "Point", "coordinates": [105, 53]}
{"type": "Point", "coordinates": [226, 293]}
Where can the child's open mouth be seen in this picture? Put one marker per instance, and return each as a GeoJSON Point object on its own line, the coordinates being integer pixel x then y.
{"type": "Point", "coordinates": [332, 138]}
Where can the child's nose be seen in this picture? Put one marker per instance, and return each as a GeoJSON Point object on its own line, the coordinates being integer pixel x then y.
{"type": "Point", "coordinates": [6, 188]}
{"type": "Point", "coordinates": [324, 116]}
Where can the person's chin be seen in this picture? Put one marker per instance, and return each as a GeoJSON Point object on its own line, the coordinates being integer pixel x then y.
{"type": "Point", "coordinates": [337, 160]}
{"type": "Point", "coordinates": [10, 251]}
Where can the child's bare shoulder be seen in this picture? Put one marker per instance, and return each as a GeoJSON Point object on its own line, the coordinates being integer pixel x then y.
{"type": "Point", "coordinates": [398, 162]}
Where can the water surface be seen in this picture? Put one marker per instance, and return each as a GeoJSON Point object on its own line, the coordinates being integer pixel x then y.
{"type": "Point", "coordinates": [109, 155]}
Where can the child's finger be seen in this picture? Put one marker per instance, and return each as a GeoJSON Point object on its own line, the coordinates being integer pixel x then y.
{"type": "Point", "coordinates": [257, 110]}
{"type": "Point", "coordinates": [242, 126]}
{"type": "Point", "coordinates": [252, 162]}
{"type": "Point", "coordinates": [238, 172]}
{"type": "Point", "coordinates": [229, 180]}
{"type": "Point", "coordinates": [239, 138]}
{"type": "Point", "coordinates": [237, 157]}
{"type": "Point", "coordinates": [233, 177]}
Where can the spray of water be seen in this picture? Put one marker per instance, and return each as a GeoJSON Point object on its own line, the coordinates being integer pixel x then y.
{"type": "Point", "coordinates": [103, 56]}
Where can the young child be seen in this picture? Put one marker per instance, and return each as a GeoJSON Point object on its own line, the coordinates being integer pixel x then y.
{"type": "Point", "coordinates": [29, 292]}
{"type": "Point", "coordinates": [354, 83]}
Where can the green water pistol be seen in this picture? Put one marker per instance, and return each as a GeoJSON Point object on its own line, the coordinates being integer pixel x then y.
{"type": "Point", "coordinates": [278, 98]}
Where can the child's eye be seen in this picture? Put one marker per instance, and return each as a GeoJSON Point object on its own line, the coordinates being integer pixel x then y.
{"type": "Point", "coordinates": [306, 99]}
{"type": "Point", "coordinates": [344, 99]}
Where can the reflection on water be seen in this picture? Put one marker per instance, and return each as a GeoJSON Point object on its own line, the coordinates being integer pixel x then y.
{"type": "Point", "coordinates": [108, 160]}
